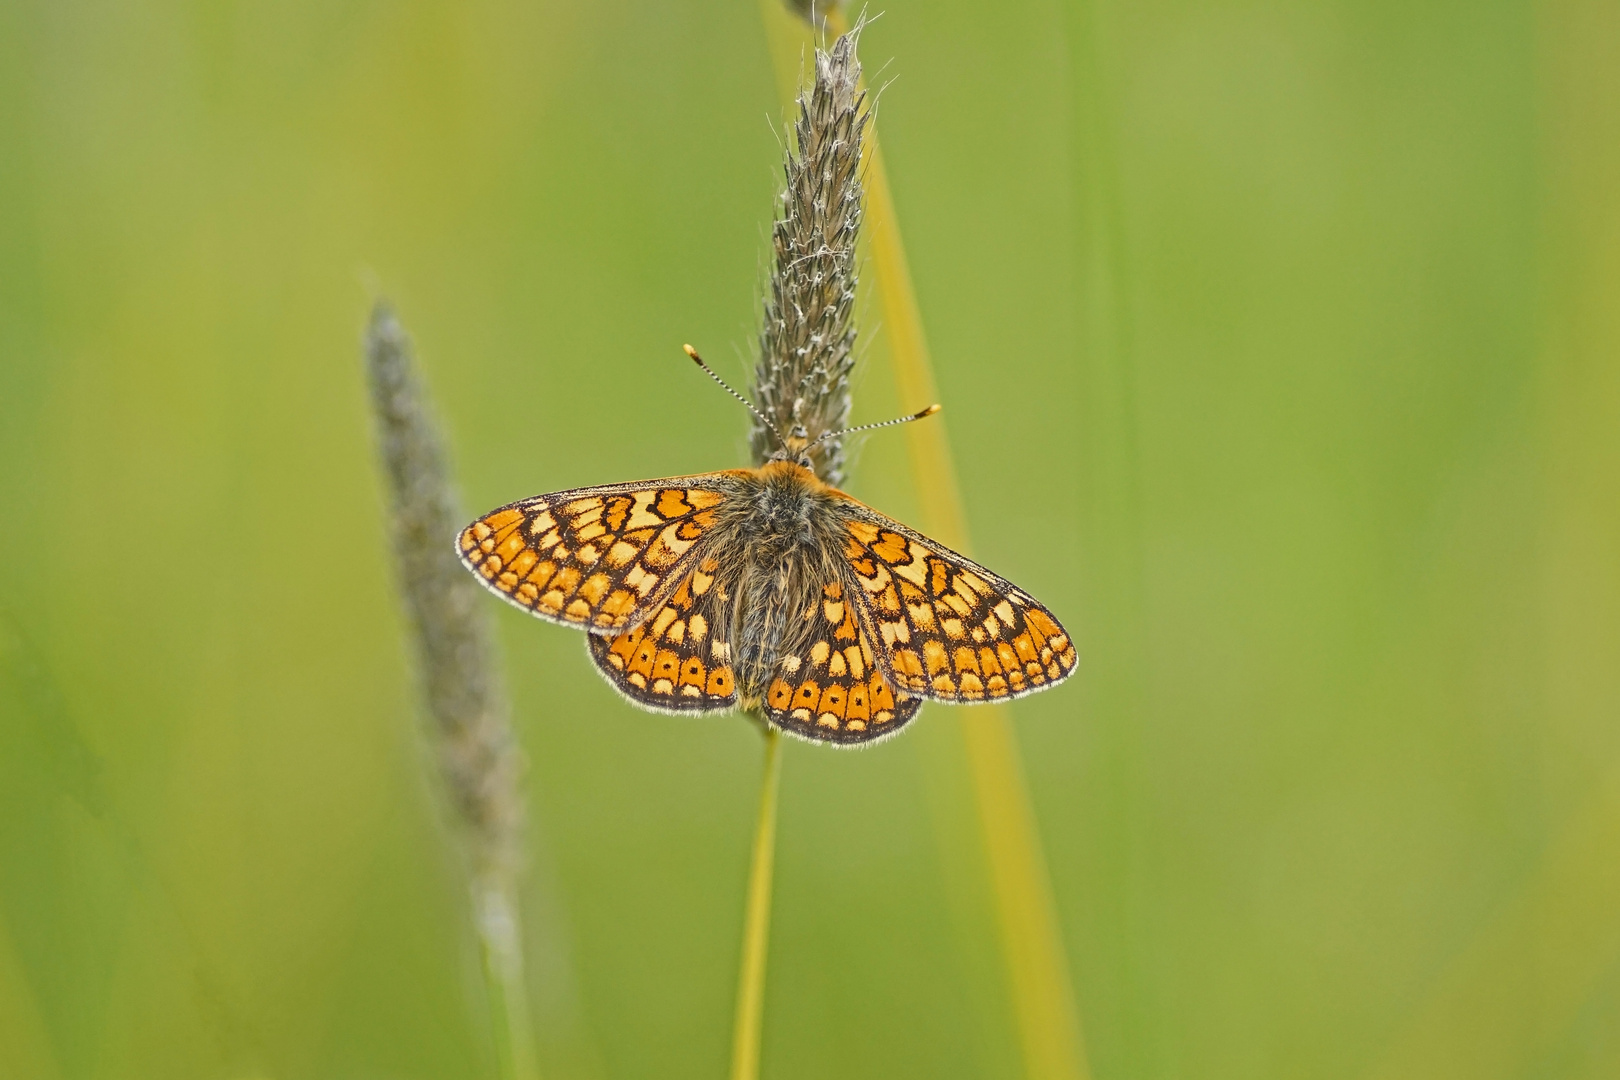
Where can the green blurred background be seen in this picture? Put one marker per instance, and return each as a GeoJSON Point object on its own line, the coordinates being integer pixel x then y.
{"type": "Point", "coordinates": [1280, 348]}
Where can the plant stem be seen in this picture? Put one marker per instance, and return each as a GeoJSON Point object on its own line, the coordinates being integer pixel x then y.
{"type": "Point", "coordinates": [502, 957]}
{"type": "Point", "coordinates": [757, 922]}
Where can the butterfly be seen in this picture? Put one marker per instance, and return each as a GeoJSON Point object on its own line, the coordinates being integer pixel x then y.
{"type": "Point", "coordinates": [768, 589]}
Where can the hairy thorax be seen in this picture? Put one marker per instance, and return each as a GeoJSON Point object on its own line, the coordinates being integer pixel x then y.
{"type": "Point", "coordinates": [783, 536]}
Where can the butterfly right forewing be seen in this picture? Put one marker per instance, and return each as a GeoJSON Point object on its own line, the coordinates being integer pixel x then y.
{"type": "Point", "coordinates": [946, 628]}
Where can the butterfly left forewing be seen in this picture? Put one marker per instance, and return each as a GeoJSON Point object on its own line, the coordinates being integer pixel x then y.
{"type": "Point", "coordinates": [829, 686]}
{"type": "Point", "coordinates": [602, 558]}
{"type": "Point", "coordinates": [945, 627]}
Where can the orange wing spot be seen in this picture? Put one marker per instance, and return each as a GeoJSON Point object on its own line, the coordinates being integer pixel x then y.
{"type": "Point", "coordinates": [704, 499]}
{"type": "Point", "coordinates": [934, 653]}
{"type": "Point", "coordinates": [624, 646]}
{"type": "Point", "coordinates": [524, 562]}
{"type": "Point", "coordinates": [499, 520]}
{"type": "Point", "coordinates": [683, 595]}
{"type": "Point", "coordinates": [1008, 657]}
{"type": "Point", "coordinates": [594, 588]}
{"type": "Point", "coordinates": [987, 661]}
{"type": "Point", "coordinates": [922, 616]}
{"type": "Point", "coordinates": [888, 602]}
{"type": "Point", "coordinates": [490, 567]}
{"type": "Point", "coordinates": [643, 663]}
{"type": "Point", "coordinates": [693, 674]}
{"type": "Point", "coordinates": [666, 664]}
{"type": "Point", "coordinates": [857, 709]}
{"type": "Point", "coordinates": [807, 694]}
{"type": "Point", "coordinates": [591, 531]}
{"type": "Point", "coordinates": [780, 695]}
{"type": "Point", "coordinates": [552, 601]}
{"type": "Point", "coordinates": [567, 580]}
{"type": "Point", "coordinates": [906, 662]}
{"type": "Point", "coordinates": [510, 547]}
{"type": "Point", "coordinates": [661, 621]}
{"type": "Point", "coordinates": [588, 554]}
{"type": "Point", "coordinates": [953, 629]}
{"type": "Point", "coordinates": [618, 508]}
{"type": "Point", "coordinates": [971, 686]}
{"type": "Point", "coordinates": [1041, 624]}
{"type": "Point", "coordinates": [892, 549]}
{"type": "Point", "coordinates": [671, 504]}
{"type": "Point", "coordinates": [618, 603]}
{"type": "Point", "coordinates": [939, 576]}
{"type": "Point", "coordinates": [689, 530]}
{"type": "Point", "coordinates": [882, 698]}
{"type": "Point", "coordinates": [834, 591]}
{"type": "Point", "coordinates": [577, 609]}
{"type": "Point", "coordinates": [832, 701]}
{"type": "Point", "coordinates": [955, 603]}
{"type": "Point", "coordinates": [997, 686]}
{"type": "Point", "coordinates": [581, 508]}
{"type": "Point", "coordinates": [720, 682]}
{"type": "Point", "coordinates": [1026, 648]}
{"type": "Point", "coordinates": [848, 631]}
{"type": "Point", "coordinates": [857, 663]}
{"type": "Point", "coordinates": [508, 581]}
{"type": "Point", "coordinates": [862, 532]}
{"type": "Point", "coordinates": [944, 685]}
{"type": "Point", "coordinates": [527, 593]}
{"type": "Point", "coordinates": [621, 554]}
{"type": "Point", "coordinates": [1015, 679]}
{"type": "Point", "coordinates": [966, 660]}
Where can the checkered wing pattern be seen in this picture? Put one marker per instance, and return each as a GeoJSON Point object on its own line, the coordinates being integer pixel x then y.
{"type": "Point", "coordinates": [604, 559]}
{"type": "Point", "coordinates": [944, 627]}
{"type": "Point", "coordinates": [679, 660]}
{"type": "Point", "coordinates": [835, 690]}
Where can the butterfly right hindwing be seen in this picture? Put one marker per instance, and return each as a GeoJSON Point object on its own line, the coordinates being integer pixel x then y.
{"type": "Point", "coordinates": [835, 690]}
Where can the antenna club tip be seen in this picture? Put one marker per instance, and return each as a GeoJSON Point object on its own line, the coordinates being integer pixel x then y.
{"type": "Point", "coordinates": [930, 411]}
{"type": "Point", "coordinates": [693, 353]}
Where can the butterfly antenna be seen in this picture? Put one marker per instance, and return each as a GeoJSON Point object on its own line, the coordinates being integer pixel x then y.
{"type": "Point", "coordinates": [930, 411]}
{"type": "Point", "coordinates": [698, 360]}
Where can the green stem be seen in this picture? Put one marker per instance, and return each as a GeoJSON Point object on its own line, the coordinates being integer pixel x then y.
{"type": "Point", "coordinates": [757, 922]}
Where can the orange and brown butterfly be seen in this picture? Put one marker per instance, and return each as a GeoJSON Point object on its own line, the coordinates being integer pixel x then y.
{"type": "Point", "coordinates": [768, 589]}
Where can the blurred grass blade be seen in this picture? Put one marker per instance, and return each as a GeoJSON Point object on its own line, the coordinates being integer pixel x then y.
{"type": "Point", "coordinates": [472, 736]}
{"type": "Point", "coordinates": [1036, 962]}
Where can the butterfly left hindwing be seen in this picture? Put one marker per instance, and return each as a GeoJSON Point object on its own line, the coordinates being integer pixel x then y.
{"type": "Point", "coordinates": [945, 627]}
{"type": "Point", "coordinates": [679, 659]}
